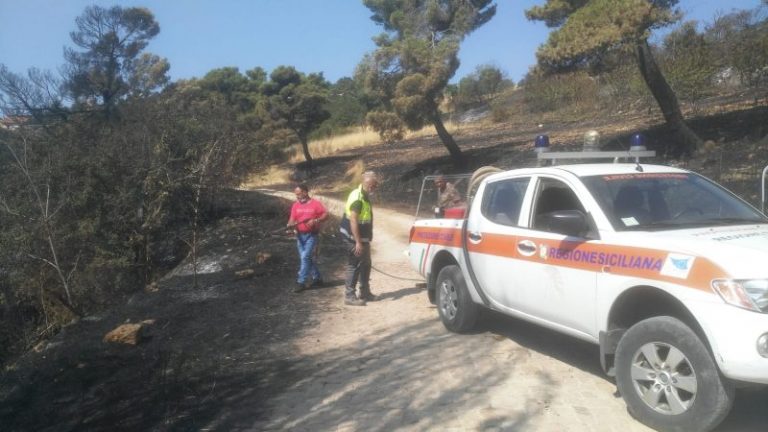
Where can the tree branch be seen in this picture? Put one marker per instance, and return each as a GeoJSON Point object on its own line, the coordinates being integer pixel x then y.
{"type": "Point", "coordinates": [7, 208]}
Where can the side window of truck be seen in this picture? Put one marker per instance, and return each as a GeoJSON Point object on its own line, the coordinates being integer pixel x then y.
{"type": "Point", "coordinates": [503, 199]}
{"type": "Point", "coordinates": [553, 195]}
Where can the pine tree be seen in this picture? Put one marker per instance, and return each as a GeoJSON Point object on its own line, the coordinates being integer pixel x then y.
{"type": "Point", "coordinates": [417, 56]}
{"type": "Point", "coordinates": [587, 29]}
{"type": "Point", "coordinates": [111, 61]}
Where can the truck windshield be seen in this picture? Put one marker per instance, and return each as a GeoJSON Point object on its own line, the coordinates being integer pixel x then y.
{"type": "Point", "coordinates": [665, 201]}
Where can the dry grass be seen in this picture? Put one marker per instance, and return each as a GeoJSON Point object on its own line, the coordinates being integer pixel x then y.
{"type": "Point", "coordinates": [275, 174]}
{"type": "Point", "coordinates": [280, 174]}
{"type": "Point", "coordinates": [330, 146]}
{"type": "Point", "coordinates": [429, 130]}
{"type": "Point", "coordinates": [361, 137]}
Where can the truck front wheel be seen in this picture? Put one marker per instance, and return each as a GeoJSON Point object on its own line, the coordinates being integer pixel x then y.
{"type": "Point", "coordinates": [457, 310]}
{"type": "Point", "coordinates": [668, 379]}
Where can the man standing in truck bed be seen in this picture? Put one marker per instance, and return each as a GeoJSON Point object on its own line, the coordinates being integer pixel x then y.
{"type": "Point", "coordinates": [357, 232]}
{"type": "Point", "coordinates": [447, 195]}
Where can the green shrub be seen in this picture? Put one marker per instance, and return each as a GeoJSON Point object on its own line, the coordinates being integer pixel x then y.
{"type": "Point", "coordinates": [574, 90]}
{"type": "Point", "coordinates": [688, 62]}
{"type": "Point", "coordinates": [388, 125]}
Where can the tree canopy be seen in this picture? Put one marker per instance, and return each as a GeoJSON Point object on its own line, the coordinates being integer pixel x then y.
{"type": "Point", "coordinates": [111, 60]}
{"type": "Point", "coordinates": [585, 30]}
{"type": "Point", "coordinates": [240, 90]}
{"type": "Point", "coordinates": [481, 86]}
{"type": "Point", "coordinates": [417, 55]}
{"type": "Point", "coordinates": [297, 101]}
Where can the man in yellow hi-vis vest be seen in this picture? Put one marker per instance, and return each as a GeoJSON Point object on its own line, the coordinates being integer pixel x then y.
{"type": "Point", "coordinates": [357, 232]}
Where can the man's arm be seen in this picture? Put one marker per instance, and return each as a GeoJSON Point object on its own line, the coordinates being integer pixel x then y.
{"type": "Point", "coordinates": [323, 212]}
{"type": "Point", "coordinates": [353, 217]}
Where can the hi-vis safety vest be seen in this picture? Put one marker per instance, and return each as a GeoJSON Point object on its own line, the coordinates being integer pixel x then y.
{"type": "Point", "coordinates": [364, 217]}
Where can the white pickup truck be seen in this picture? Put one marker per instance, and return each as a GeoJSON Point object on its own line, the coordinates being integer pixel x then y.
{"type": "Point", "coordinates": [662, 268]}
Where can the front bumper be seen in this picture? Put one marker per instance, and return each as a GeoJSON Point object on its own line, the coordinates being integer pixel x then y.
{"type": "Point", "coordinates": [733, 335]}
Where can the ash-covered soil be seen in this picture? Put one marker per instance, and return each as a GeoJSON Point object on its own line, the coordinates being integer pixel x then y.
{"type": "Point", "coordinates": [209, 360]}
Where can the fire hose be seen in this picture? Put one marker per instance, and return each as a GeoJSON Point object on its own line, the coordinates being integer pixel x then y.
{"type": "Point", "coordinates": [288, 227]}
{"type": "Point", "coordinates": [395, 277]}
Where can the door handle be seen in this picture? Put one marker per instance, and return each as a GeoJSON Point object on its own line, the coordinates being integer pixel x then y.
{"type": "Point", "coordinates": [475, 236]}
{"type": "Point", "coordinates": [526, 247]}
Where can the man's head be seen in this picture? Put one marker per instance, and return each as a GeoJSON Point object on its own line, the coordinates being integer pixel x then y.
{"type": "Point", "coordinates": [302, 192]}
{"type": "Point", "coordinates": [370, 181]}
{"type": "Point", "coordinates": [440, 182]}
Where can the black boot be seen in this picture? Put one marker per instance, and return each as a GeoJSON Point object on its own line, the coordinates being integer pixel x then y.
{"type": "Point", "coordinates": [367, 295]}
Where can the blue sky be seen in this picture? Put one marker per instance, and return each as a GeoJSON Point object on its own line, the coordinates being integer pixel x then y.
{"type": "Point", "coordinates": [328, 36]}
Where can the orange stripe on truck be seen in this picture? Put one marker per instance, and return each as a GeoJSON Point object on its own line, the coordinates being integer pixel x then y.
{"type": "Point", "coordinates": [669, 266]}
{"type": "Point", "coordinates": [437, 236]}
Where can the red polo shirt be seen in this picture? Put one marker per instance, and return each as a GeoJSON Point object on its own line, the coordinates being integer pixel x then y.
{"type": "Point", "coordinates": [303, 212]}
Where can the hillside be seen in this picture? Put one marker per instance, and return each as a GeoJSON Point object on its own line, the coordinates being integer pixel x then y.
{"type": "Point", "coordinates": [733, 127]}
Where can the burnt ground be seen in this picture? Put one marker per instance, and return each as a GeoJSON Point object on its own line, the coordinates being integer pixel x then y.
{"type": "Point", "coordinates": [220, 349]}
{"type": "Point", "coordinates": [210, 357]}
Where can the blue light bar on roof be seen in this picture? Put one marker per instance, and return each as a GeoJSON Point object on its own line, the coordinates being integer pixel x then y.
{"type": "Point", "coordinates": [637, 143]}
{"type": "Point", "coordinates": [541, 144]}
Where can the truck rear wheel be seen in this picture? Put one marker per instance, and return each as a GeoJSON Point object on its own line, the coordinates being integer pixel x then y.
{"type": "Point", "coordinates": [454, 304]}
{"type": "Point", "coordinates": [668, 379]}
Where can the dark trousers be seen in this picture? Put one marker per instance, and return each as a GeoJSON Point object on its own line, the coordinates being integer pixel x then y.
{"type": "Point", "coordinates": [358, 268]}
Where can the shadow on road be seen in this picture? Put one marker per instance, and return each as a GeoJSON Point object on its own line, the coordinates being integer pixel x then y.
{"type": "Point", "coordinates": [577, 353]}
{"type": "Point", "coordinates": [750, 410]}
{"type": "Point", "coordinates": [403, 292]}
{"type": "Point", "coordinates": [406, 377]}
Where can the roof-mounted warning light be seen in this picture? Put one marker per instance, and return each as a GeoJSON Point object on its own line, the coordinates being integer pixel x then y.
{"type": "Point", "coordinates": [615, 155]}
{"type": "Point", "coordinates": [590, 150]}
{"type": "Point", "coordinates": [591, 141]}
{"type": "Point", "coordinates": [541, 144]}
{"type": "Point", "coordinates": [637, 143]}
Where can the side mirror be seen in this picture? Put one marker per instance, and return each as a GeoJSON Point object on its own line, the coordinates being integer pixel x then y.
{"type": "Point", "coordinates": [572, 223]}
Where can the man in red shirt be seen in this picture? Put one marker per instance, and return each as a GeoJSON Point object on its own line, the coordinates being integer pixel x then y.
{"type": "Point", "coordinates": [306, 215]}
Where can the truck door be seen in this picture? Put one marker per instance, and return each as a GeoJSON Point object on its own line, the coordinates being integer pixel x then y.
{"type": "Point", "coordinates": [554, 280]}
{"type": "Point", "coordinates": [492, 229]}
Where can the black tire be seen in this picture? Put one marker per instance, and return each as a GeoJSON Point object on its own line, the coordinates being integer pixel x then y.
{"type": "Point", "coordinates": [689, 395]}
{"type": "Point", "coordinates": [454, 304]}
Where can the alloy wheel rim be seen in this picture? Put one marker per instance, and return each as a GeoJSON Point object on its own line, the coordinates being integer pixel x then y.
{"type": "Point", "coordinates": [664, 378]}
{"type": "Point", "coordinates": [448, 299]}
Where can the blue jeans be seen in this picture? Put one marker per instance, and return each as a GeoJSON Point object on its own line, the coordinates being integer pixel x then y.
{"type": "Point", "coordinates": [305, 243]}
